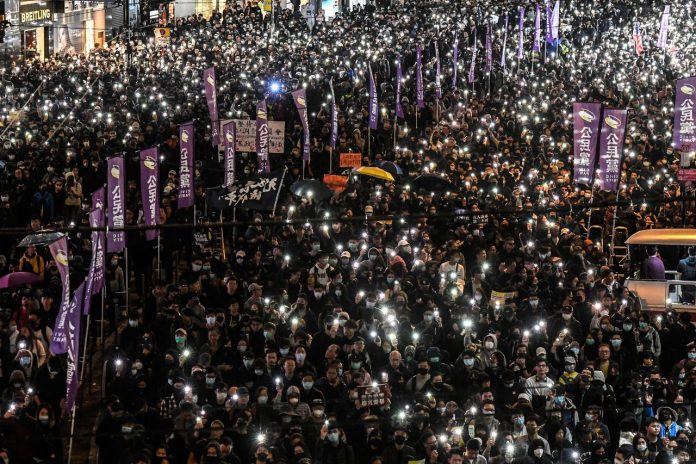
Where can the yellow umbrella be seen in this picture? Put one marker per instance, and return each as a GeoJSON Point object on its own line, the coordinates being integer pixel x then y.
{"type": "Point", "coordinates": [377, 173]}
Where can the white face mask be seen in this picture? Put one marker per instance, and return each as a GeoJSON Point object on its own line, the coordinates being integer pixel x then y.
{"type": "Point", "coordinates": [538, 452]}
{"type": "Point", "coordinates": [488, 344]}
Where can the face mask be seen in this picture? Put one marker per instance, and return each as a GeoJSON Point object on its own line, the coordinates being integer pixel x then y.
{"type": "Point", "coordinates": [210, 380]}
{"type": "Point", "coordinates": [355, 365]}
{"type": "Point", "coordinates": [422, 370]}
{"type": "Point", "coordinates": [284, 351]}
{"type": "Point", "coordinates": [534, 303]}
{"type": "Point", "coordinates": [487, 412]}
{"type": "Point", "coordinates": [318, 295]}
{"type": "Point", "coordinates": [472, 430]}
{"type": "Point", "coordinates": [643, 325]}
{"type": "Point", "coordinates": [590, 341]}
{"type": "Point", "coordinates": [133, 323]}
{"type": "Point", "coordinates": [570, 367]}
{"type": "Point", "coordinates": [468, 362]}
{"type": "Point", "coordinates": [333, 437]}
{"type": "Point", "coordinates": [488, 345]}
{"type": "Point", "coordinates": [317, 413]}
{"type": "Point", "coordinates": [605, 327]}
{"type": "Point", "coordinates": [616, 344]}
{"type": "Point", "coordinates": [399, 439]}
{"type": "Point", "coordinates": [370, 304]}
{"type": "Point", "coordinates": [390, 280]}
{"type": "Point", "coordinates": [126, 429]}
{"type": "Point", "coordinates": [43, 419]}
{"type": "Point", "coordinates": [642, 447]}
{"type": "Point", "coordinates": [262, 400]}
{"type": "Point", "coordinates": [261, 457]}
{"type": "Point", "coordinates": [258, 371]}
{"type": "Point", "coordinates": [560, 399]}
{"type": "Point", "coordinates": [307, 385]}
{"type": "Point", "coordinates": [180, 340]}
{"type": "Point", "coordinates": [267, 335]}
{"type": "Point", "coordinates": [509, 385]}
{"type": "Point", "coordinates": [538, 452]}
{"type": "Point", "coordinates": [428, 318]}
{"type": "Point", "coordinates": [338, 293]}
{"type": "Point", "coordinates": [300, 357]}
{"type": "Point", "coordinates": [478, 297]}
{"type": "Point", "coordinates": [627, 327]}
{"type": "Point", "coordinates": [221, 397]}
{"type": "Point", "coordinates": [520, 421]}
{"type": "Point", "coordinates": [248, 363]}
{"type": "Point", "coordinates": [210, 320]}
{"type": "Point", "coordinates": [575, 350]}
{"type": "Point", "coordinates": [566, 316]}
{"type": "Point", "coordinates": [589, 417]}
{"type": "Point", "coordinates": [240, 260]}
{"type": "Point", "coordinates": [293, 401]}
{"type": "Point", "coordinates": [25, 361]}
{"type": "Point", "coordinates": [196, 267]}
{"type": "Point", "coordinates": [242, 348]}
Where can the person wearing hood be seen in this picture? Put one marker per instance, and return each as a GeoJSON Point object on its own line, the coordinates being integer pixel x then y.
{"type": "Point", "coordinates": [668, 422]}
{"type": "Point", "coordinates": [538, 453]}
{"type": "Point", "coordinates": [490, 346]}
{"type": "Point", "coordinates": [687, 269]}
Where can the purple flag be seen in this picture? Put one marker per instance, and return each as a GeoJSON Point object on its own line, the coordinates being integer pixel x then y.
{"type": "Point", "coordinates": [611, 148]}
{"type": "Point", "coordinates": [548, 37]}
{"type": "Point", "coordinates": [262, 136]}
{"type": "Point", "coordinates": [334, 117]}
{"type": "Point", "coordinates": [520, 37]}
{"type": "Point", "coordinates": [229, 139]}
{"type": "Point", "coordinates": [438, 85]}
{"type": "Point", "coordinates": [98, 199]}
{"type": "Point", "coordinates": [211, 98]}
{"type": "Point", "coordinates": [585, 137]}
{"type": "Point", "coordinates": [115, 188]}
{"type": "Point", "coordinates": [300, 99]}
{"type": "Point", "coordinates": [95, 277]}
{"type": "Point", "coordinates": [420, 101]}
{"type": "Point", "coordinates": [186, 162]}
{"type": "Point", "coordinates": [664, 29]}
{"type": "Point", "coordinates": [684, 132]}
{"type": "Point", "coordinates": [489, 49]}
{"type": "Point", "coordinates": [399, 77]}
{"type": "Point", "coordinates": [59, 252]}
{"type": "Point", "coordinates": [455, 60]}
{"type": "Point", "coordinates": [537, 30]}
{"type": "Point", "coordinates": [503, 62]}
{"type": "Point", "coordinates": [472, 67]}
{"type": "Point", "coordinates": [374, 110]}
{"type": "Point", "coordinates": [149, 190]}
{"type": "Point", "coordinates": [556, 21]}
{"type": "Point", "coordinates": [74, 322]}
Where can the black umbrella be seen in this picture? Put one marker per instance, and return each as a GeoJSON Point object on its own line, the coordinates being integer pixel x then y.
{"type": "Point", "coordinates": [311, 188]}
{"type": "Point", "coordinates": [42, 237]}
{"type": "Point", "coordinates": [432, 182]}
{"type": "Point", "coordinates": [390, 167]}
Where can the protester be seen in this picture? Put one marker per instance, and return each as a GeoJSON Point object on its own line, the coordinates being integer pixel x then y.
{"type": "Point", "coordinates": [475, 314]}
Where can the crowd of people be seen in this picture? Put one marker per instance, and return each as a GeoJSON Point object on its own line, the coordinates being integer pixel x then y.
{"type": "Point", "coordinates": [475, 319]}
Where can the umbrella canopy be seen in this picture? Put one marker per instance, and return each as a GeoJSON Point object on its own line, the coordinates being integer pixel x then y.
{"type": "Point", "coordinates": [17, 279]}
{"type": "Point", "coordinates": [377, 173]}
{"type": "Point", "coordinates": [390, 167]}
{"type": "Point", "coordinates": [433, 182]}
{"type": "Point", "coordinates": [42, 237]}
{"type": "Point", "coordinates": [311, 188]}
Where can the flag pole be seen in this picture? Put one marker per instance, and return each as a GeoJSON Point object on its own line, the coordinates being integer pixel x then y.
{"type": "Point", "coordinates": [103, 302]}
{"type": "Point", "coordinates": [125, 256]}
{"type": "Point", "coordinates": [282, 179]}
{"type": "Point", "coordinates": [222, 232]}
{"type": "Point", "coordinates": [72, 434]}
{"type": "Point", "coordinates": [159, 256]}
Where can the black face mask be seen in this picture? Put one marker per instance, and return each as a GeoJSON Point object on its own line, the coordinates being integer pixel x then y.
{"type": "Point", "coordinates": [422, 370]}
{"type": "Point", "coordinates": [399, 439]}
{"type": "Point", "coordinates": [262, 457]}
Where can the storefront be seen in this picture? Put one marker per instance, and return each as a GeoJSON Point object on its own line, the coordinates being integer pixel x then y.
{"type": "Point", "coordinates": [46, 27]}
{"type": "Point", "coordinates": [80, 28]}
